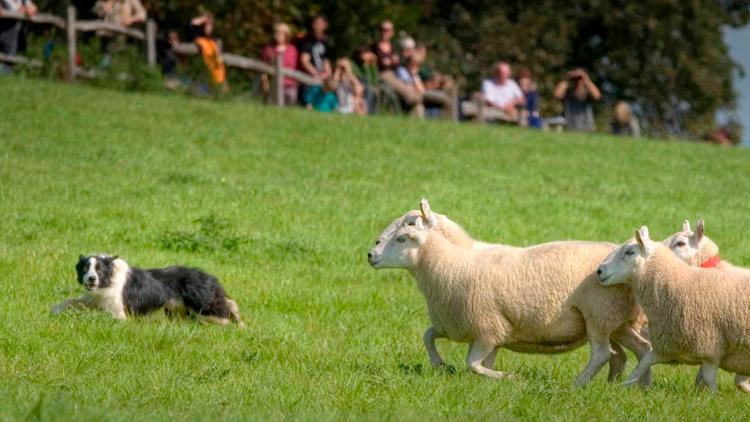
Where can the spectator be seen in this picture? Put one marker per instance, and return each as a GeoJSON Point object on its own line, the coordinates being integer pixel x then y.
{"type": "Point", "coordinates": [408, 46]}
{"type": "Point", "coordinates": [167, 58]}
{"type": "Point", "coordinates": [322, 98]}
{"type": "Point", "coordinates": [315, 50]}
{"type": "Point", "coordinates": [578, 93]}
{"type": "Point", "coordinates": [350, 90]}
{"type": "Point", "coordinates": [201, 30]}
{"type": "Point", "coordinates": [531, 96]}
{"type": "Point", "coordinates": [624, 123]}
{"type": "Point", "coordinates": [10, 29]}
{"type": "Point", "coordinates": [502, 92]}
{"type": "Point", "coordinates": [386, 57]}
{"type": "Point", "coordinates": [121, 12]}
{"type": "Point", "coordinates": [282, 46]}
{"type": "Point", "coordinates": [409, 75]}
{"type": "Point", "coordinates": [433, 81]}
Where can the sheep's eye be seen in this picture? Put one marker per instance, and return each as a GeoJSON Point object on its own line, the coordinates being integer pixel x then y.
{"type": "Point", "coordinates": [680, 244]}
{"type": "Point", "coordinates": [630, 252]}
{"type": "Point", "coordinates": [377, 242]}
{"type": "Point", "coordinates": [401, 239]}
{"type": "Point", "coordinates": [411, 223]}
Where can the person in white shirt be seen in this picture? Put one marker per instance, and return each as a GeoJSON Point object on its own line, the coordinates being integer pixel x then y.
{"type": "Point", "coordinates": [502, 92]}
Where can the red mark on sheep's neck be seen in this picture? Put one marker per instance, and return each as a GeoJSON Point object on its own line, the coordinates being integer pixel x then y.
{"type": "Point", "coordinates": [711, 262]}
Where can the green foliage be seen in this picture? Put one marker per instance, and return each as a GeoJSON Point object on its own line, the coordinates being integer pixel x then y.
{"type": "Point", "coordinates": [95, 170]}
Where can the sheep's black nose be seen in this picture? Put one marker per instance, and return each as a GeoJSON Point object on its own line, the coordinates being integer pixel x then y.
{"type": "Point", "coordinates": [369, 255]}
{"type": "Point", "coordinates": [598, 271]}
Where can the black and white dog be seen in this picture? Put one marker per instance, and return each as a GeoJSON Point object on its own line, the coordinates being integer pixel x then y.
{"type": "Point", "coordinates": [116, 287]}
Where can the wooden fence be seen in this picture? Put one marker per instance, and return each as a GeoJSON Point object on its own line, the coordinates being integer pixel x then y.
{"type": "Point", "coordinates": [72, 26]}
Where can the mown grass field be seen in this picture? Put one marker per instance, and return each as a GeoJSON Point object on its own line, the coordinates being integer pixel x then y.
{"type": "Point", "coordinates": [282, 205]}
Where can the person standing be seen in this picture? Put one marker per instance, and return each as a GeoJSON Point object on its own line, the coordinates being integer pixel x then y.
{"type": "Point", "coordinates": [315, 50]}
{"type": "Point", "coordinates": [282, 46]}
{"type": "Point", "coordinates": [10, 29]}
{"type": "Point", "coordinates": [578, 94]}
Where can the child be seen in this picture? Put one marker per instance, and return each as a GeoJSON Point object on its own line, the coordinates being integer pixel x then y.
{"type": "Point", "coordinates": [322, 98]}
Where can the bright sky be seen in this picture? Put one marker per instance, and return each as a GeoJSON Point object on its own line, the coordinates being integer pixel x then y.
{"type": "Point", "coordinates": [739, 48]}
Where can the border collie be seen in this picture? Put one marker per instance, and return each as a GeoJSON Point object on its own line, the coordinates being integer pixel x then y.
{"type": "Point", "coordinates": [116, 287]}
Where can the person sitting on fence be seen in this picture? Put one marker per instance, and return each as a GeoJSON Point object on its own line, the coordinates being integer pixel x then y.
{"type": "Point", "coordinates": [281, 46]}
{"type": "Point", "coordinates": [201, 29]}
{"type": "Point", "coordinates": [10, 29]}
{"type": "Point", "coordinates": [120, 12]}
{"type": "Point", "coordinates": [578, 93]}
{"type": "Point", "coordinates": [408, 74]}
{"type": "Point", "coordinates": [350, 91]}
{"type": "Point", "coordinates": [624, 123]}
{"type": "Point", "coordinates": [315, 50]}
{"type": "Point", "coordinates": [531, 117]}
{"type": "Point", "coordinates": [502, 93]}
{"type": "Point", "coordinates": [322, 98]}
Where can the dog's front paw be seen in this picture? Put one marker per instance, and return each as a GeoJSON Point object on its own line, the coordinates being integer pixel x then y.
{"type": "Point", "coordinates": [57, 309]}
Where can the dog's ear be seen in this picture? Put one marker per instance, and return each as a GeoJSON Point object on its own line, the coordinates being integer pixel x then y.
{"type": "Point", "coordinates": [81, 257]}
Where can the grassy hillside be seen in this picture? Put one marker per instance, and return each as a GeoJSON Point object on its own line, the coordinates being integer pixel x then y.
{"type": "Point", "coordinates": [282, 206]}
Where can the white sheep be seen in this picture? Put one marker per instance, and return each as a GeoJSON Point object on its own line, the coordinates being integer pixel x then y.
{"type": "Point", "coordinates": [696, 316]}
{"type": "Point", "coordinates": [699, 250]}
{"type": "Point", "coordinates": [458, 236]}
{"type": "Point", "coordinates": [540, 299]}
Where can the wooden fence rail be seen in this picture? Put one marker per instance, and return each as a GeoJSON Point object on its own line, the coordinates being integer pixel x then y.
{"type": "Point", "coordinates": [72, 26]}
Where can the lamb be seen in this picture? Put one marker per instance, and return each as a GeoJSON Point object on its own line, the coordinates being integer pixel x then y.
{"type": "Point", "coordinates": [687, 325]}
{"type": "Point", "coordinates": [540, 299]}
{"type": "Point", "coordinates": [699, 250]}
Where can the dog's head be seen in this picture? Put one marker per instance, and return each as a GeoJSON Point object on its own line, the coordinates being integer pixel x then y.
{"type": "Point", "coordinates": [95, 271]}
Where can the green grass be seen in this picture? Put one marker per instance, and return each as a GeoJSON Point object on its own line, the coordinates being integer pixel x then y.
{"type": "Point", "coordinates": [282, 205]}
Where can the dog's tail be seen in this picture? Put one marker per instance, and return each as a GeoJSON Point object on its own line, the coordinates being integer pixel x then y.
{"type": "Point", "coordinates": [234, 313]}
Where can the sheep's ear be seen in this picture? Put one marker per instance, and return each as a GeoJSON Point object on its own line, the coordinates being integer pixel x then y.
{"type": "Point", "coordinates": [686, 226]}
{"type": "Point", "coordinates": [427, 215]}
{"type": "Point", "coordinates": [644, 241]}
{"type": "Point", "coordinates": [699, 230]}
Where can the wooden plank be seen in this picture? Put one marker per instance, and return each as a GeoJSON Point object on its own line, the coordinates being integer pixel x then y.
{"type": "Point", "coordinates": [89, 26]}
{"type": "Point", "coordinates": [70, 27]}
{"type": "Point", "coordinates": [20, 60]}
{"type": "Point", "coordinates": [278, 80]}
{"type": "Point", "coordinates": [37, 18]}
{"type": "Point", "coordinates": [151, 42]}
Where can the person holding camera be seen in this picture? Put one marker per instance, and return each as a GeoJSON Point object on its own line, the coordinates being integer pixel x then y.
{"type": "Point", "coordinates": [578, 93]}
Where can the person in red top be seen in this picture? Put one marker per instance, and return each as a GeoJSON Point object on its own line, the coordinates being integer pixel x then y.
{"type": "Point", "coordinates": [282, 46]}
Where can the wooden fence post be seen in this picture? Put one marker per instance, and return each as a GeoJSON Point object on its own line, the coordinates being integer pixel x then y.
{"type": "Point", "coordinates": [151, 42]}
{"type": "Point", "coordinates": [70, 27]}
{"type": "Point", "coordinates": [278, 80]}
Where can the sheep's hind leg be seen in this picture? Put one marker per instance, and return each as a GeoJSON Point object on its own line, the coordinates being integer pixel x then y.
{"type": "Point", "coordinates": [478, 352]}
{"type": "Point", "coordinates": [599, 356]}
{"type": "Point", "coordinates": [742, 382]}
{"type": "Point", "coordinates": [489, 361]}
{"type": "Point", "coordinates": [617, 361]}
{"type": "Point", "coordinates": [707, 376]}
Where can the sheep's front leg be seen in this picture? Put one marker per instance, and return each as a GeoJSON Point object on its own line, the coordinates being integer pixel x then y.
{"type": "Point", "coordinates": [644, 366]}
{"type": "Point", "coordinates": [707, 376]}
{"type": "Point", "coordinates": [599, 356]}
{"type": "Point", "coordinates": [742, 382]}
{"type": "Point", "coordinates": [84, 301]}
{"type": "Point", "coordinates": [478, 352]}
{"type": "Point", "coordinates": [633, 341]}
{"type": "Point", "coordinates": [429, 343]}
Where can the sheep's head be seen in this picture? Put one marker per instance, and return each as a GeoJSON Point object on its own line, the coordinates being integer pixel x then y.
{"type": "Point", "coordinates": [398, 245]}
{"type": "Point", "coordinates": [619, 265]}
{"type": "Point", "coordinates": [692, 247]}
